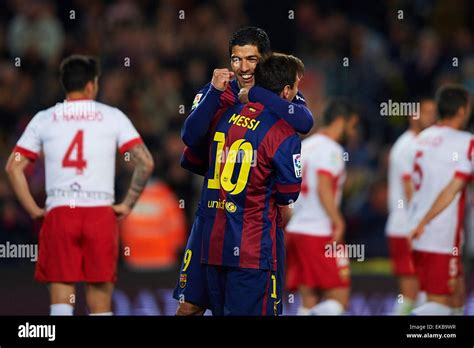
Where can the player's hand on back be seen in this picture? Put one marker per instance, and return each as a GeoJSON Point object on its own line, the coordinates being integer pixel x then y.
{"type": "Point", "coordinates": [244, 95]}
{"type": "Point", "coordinates": [221, 78]}
{"type": "Point", "coordinates": [121, 210]}
{"type": "Point", "coordinates": [38, 214]}
{"type": "Point", "coordinates": [417, 232]}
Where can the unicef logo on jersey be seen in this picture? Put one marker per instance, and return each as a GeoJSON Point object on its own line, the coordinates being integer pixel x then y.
{"type": "Point", "coordinates": [297, 165]}
{"type": "Point", "coordinates": [222, 204]}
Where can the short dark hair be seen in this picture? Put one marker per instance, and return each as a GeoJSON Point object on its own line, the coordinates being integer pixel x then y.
{"type": "Point", "coordinates": [251, 36]}
{"type": "Point", "coordinates": [449, 99]}
{"type": "Point", "coordinates": [77, 70]}
{"type": "Point", "coordinates": [277, 71]}
{"type": "Point", "coordinates": [426, 99]}
{"type": "Point", "coordinates": [338, 107]}
{"type": "Point", "coordinates": [298, 62]}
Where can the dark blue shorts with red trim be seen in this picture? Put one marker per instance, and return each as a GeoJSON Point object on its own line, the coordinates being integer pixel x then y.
{"type": "Point", "coordinates": [192, 284]}
{"type": "Point", "coordinates": [242, 291]}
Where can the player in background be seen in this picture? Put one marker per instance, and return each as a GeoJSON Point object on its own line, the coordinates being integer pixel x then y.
{"type": "Point", "coordinates": [469, 218]}
{"type": "Point", "coordinates": [323, 280]}
{"type": "Point", "coordinates": [443, 166]}
{"type": "Point", "coordinates": [78, 241]}
{"type": "Point", "coordinates": [400, 191]}
{"type": "Point", "coordinates": [247, 47]}
{"type": "Point", "coordinates": [254, 167]}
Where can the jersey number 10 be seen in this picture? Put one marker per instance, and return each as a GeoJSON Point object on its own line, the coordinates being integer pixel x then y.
{"type": "Point", "coordinates": [77, 144]}
{"type": "Point", "coordinates": [233, 156]}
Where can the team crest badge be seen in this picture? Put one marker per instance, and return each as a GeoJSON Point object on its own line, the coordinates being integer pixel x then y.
{"type": "Point", "coordinates": [230, 207]}
{"type": "Point", "coordinates": [183, 278]}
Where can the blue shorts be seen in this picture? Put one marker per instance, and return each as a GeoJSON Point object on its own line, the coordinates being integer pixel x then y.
{"type": "Point", "coordinates": [280, 273]}
{"type": "Point", "coordinates": [242, 291]}
{"type": "Point", "coordinates": [192, 282]}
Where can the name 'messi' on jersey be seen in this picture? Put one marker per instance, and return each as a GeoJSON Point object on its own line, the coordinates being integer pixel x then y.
{"type": "Point", "coordinates": [244, 121]}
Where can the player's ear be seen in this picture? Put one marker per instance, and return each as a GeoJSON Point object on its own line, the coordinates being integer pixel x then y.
{"type": "Point", "coordinates": [341, 121]}
{"type": "Point", "coordinates": [90, 88]}
{"type": "Point", "coordinates": [286, 92]}
{"type": "Point", "coordinates": [462, 111]}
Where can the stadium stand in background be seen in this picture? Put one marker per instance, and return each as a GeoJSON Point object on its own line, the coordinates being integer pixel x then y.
{"type": "Point", "coordinates": [154, 60]}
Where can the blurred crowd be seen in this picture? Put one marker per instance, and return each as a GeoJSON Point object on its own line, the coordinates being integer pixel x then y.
{"type": "Point", "coordinates": [155, 55]}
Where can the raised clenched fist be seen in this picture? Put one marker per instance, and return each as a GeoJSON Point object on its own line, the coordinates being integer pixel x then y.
{"type": "Point", "coordinates": [220, 78]}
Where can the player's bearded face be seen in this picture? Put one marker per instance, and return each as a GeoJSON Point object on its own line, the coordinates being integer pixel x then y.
{"type": "Point", "coordinates": [243, 62]}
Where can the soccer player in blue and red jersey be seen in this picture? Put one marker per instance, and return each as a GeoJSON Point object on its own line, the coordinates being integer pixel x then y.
{"type": "Point", "coordinates": [254, 166]}
{"type": "Point", "coordinates": [246, 47]}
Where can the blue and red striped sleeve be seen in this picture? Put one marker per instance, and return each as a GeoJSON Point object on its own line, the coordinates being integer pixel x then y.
{"type": "Point", "coordinates": [195, 159]}
{"type": "Point", "coordinates": [295, 113]}
{"type": "Point", "coordinates": [287, 162]}
{"type": "Point", "coordinates": [196, 125]}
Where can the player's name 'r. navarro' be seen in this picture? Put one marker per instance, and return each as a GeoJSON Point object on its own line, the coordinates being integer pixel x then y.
{"type": "Point", "coordinates": [244, 121]}
{"type": "Point", "coordinates": [37, 331]}
{"type": "Point", "coordinates": [86, 116]}
{"type": "Point", "coordinates": [73, 111]}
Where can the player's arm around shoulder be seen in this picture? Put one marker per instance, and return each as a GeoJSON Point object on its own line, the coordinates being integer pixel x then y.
{"type": "Point", "coordinates": [295, 113]}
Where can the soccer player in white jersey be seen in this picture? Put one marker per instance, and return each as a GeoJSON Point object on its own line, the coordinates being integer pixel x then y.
{"type": "Point", "coordinates": [78, 241]}
{"type": "Point", "coordinates": [321, 276]}
{"type": "Point", "coordinates": [399, 195]}
{"type": "Point", "coordinates": [443, 152]}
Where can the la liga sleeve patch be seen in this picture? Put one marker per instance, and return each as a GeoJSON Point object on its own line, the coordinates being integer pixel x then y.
{"type": "Point", "coordinates": [297, 165]}
{"type": "Point", "coordinates": [196, 101]}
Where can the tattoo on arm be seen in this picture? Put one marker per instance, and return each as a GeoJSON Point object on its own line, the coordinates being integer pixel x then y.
{"type": "Point", "coordinates": [143, 161]}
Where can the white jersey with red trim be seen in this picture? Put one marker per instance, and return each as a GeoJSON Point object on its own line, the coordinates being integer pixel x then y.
{"type": "Point", "coordinates": [441, 154]}
{"type": "Point", "coordinates": [79, 139]}
{"type": "Point", "coordinates": [320, 155]}
{"type": "Point", "coordinates": [400, 166]}
{"type": "Point", "coordinates": [469, 216]}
